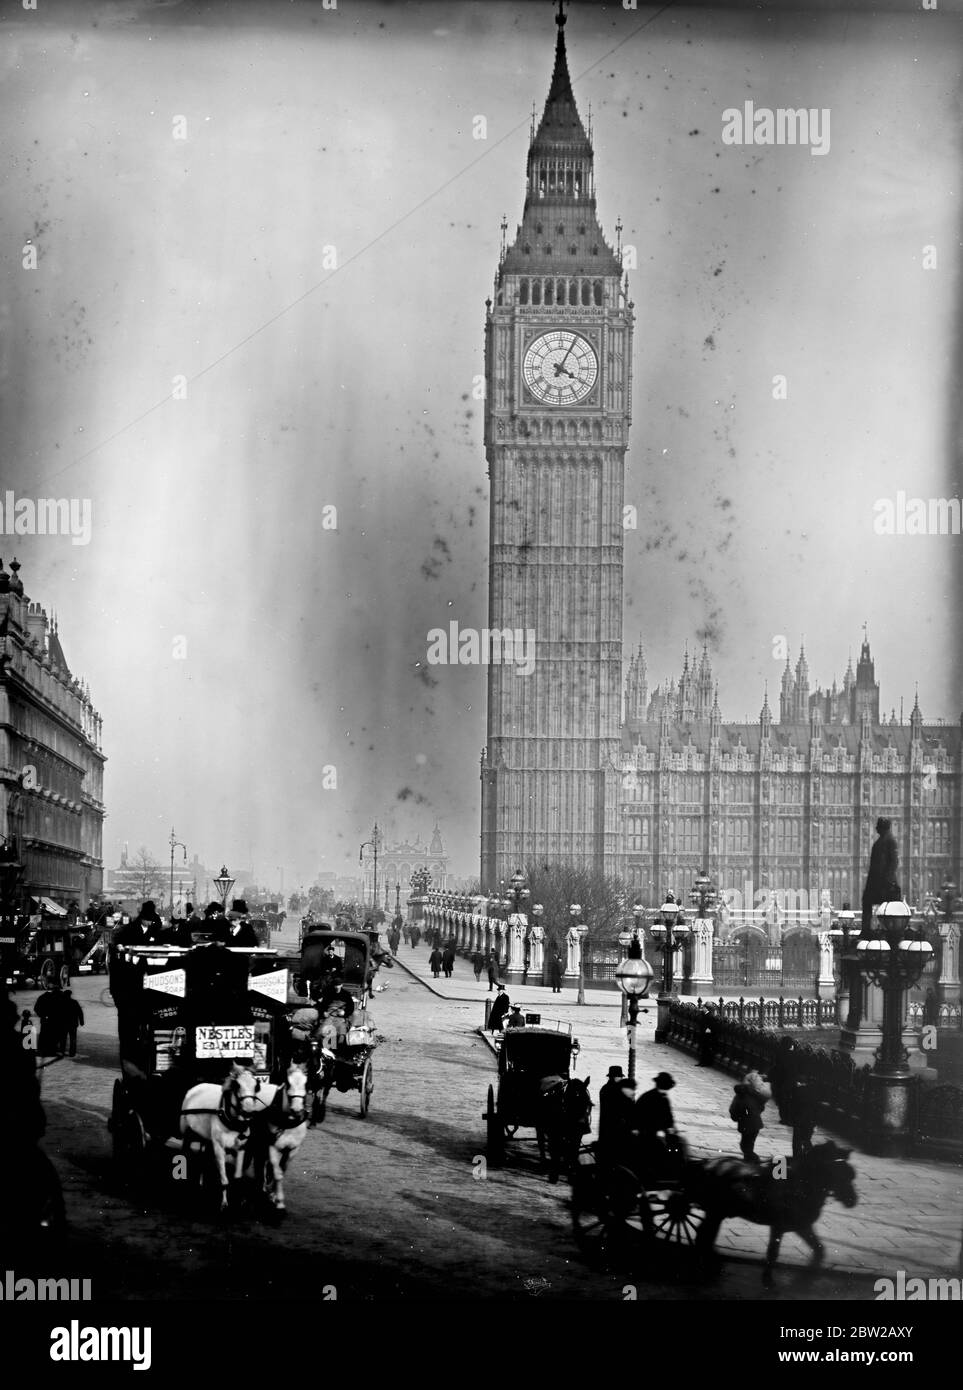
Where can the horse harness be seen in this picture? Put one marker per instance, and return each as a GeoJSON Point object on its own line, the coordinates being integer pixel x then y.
{"type": "Point", "coordinates": [236, 1120]}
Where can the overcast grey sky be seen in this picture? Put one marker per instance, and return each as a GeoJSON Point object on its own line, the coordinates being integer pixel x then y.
{"type": "Point", "coordinates": [205, 257]}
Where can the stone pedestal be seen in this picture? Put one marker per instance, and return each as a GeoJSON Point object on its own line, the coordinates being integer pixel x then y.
{"type": "Point", "coordinates": [536, 949]}
{"type": "Point", "coordinates": [948, 985]}
{"type": "Point", "coordinates": [517, 924]}
{"type": "Point", "coordinates": [700, 981]}
{"type": "Point", "coordinates": [826, 984]}
{"type": "Point", "coordinates": [862, 1034]}
{"type": "Point", "coordinates": [573, 943]}
{"type": "Point", "coordinates": [887, 1121]}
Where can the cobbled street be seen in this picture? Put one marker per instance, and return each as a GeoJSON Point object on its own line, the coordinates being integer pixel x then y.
{"type": "Point", "coordinates": [398, 1205]}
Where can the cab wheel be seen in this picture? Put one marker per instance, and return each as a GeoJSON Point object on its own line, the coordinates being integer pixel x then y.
{"type": "Point", "coordinates": [367, 1086]}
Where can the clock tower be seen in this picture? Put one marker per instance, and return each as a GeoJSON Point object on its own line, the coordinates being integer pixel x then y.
{"type": "Point", "coordinates": [558, 367]}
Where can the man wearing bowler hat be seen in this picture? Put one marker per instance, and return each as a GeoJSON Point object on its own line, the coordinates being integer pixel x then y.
{"type": "Point", "coordinates": [655, 1127]}
{"type": "Point", "coordinates": [616, 1106]}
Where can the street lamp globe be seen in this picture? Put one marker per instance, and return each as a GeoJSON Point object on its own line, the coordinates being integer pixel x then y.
{"type": "Point", "coordinates": [634, 975]}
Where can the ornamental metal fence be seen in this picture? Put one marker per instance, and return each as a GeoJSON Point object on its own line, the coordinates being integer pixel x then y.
{"type": "Point", "coordinates": [746, 1039]}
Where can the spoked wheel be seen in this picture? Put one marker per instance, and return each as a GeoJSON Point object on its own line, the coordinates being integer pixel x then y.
{"type": "Point", "coordinates": [494, 1133]}
{"type": "Point", "coordinates": [605, 1211]}
{"type": "Point", "coordinates": [48, 973]}
{"type": "Point", "coordinates": [128, 1135]}
{"type": "Point", "coordinates": [673, 1218]}
{"type": "Point", "coordinates": [367, 1086]}
{"type": "Point", "coordinates": [64, 977]}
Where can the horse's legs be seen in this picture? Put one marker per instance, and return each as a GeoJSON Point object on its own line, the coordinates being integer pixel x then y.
{"type": "Point", "coordinates": [277, 1172]}
{"type": "Point", "coordinates": [815, 1244]}
{"type": "Point", "coordinates": [540, 1136]}
{"type": "Point", "coordinates": [705, 1241]}
{"type": "Point", "coordinates": [220, 1160]}
{"type": "Point", "coordinates": [772, 1254]}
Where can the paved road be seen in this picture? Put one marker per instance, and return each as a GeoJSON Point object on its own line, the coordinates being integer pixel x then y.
{"type": "Point", "coordinates": [383, 1207]}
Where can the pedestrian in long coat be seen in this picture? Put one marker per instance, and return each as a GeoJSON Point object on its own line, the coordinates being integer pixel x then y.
{"type": "Point", "coordinates": [746, 1110]}
{"type": "Point", "coordinates": [477, 964]}
{"type": "Point", "coordinates": [50, 1010]}
{"type": "Point", "coordinates": [499, 1009]}
{"type": "Point", "coordinates": [555, 972]}
{"type": "Point", "coordinates": [708, 1024]}
{"type": "Point", "coordinates": [492, 967]}
{"type": "Point", "coordinates": [783, 1078]}
{"type": "Point", "coordinates": [73, 1018]}
{"type": "Point", "coordinates": [805, 1106]}
{"type": "Point", "coordinates": [434, 962]}
{"type": "Point", "coordinates": [616, 1109]}
{"type": "Point", "coordinates": [448, 962]}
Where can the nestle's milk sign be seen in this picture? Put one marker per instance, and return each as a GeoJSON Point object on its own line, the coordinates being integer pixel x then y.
{"type": "Point", "coordinates": [224, 1040]}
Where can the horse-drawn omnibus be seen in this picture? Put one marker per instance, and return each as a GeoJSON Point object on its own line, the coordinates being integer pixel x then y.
{"type": "Point", "coordinates": [536, 1090]}
{"type": "Point", "coordinates": [39, 950]}
{"type": "Point", "coordinates": [190, 1016]}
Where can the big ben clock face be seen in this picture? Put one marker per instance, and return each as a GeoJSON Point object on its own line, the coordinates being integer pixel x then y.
{"type": "Point", "coordinates": [560, 367]}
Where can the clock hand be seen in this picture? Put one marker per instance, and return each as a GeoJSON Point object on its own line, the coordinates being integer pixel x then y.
{"type": "Point", "coordinates": [560, 371]}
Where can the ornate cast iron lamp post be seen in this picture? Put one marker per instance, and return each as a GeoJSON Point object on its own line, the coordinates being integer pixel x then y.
{"type": "Point", "coordinates": [704, 896]}
{"type": "Point", "coordinates": [223, 883]}
{"type": "Point", "coordinates": [575, 912]}
{"type": "Point", "coordinates": [634, 975]}
{"type": "Point", "coordinates": [670, 931]}
{"type": "Point", "coordinates": [892, 956]}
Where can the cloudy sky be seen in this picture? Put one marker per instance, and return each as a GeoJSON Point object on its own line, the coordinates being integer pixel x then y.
{"type": "Point", "coordinates": [286, 206]}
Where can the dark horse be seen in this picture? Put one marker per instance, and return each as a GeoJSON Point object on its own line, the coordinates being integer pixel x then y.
{"type": "Point", "coordinates": [727, 1187]}
{"type": "Point", "coordinates": [564, 1116]}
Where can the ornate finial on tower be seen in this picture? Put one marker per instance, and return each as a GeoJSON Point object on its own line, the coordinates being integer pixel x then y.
{"type": "Point", "coordinates": [618, 240]}
{"type": "Point", "coordinates": [504, 234]}
{"type": "Point", "coordinates": [560, 17]}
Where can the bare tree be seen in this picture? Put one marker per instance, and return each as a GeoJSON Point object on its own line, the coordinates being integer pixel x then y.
{"type": "Point", "coordinates": [605, 902]}
{"type": "Point", "coordinates": [149, 875]}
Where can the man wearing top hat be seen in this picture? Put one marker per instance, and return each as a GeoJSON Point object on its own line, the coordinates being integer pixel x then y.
{"type": "Point", "coordinates": [239, 929]}
{"type": "Point", "coordinates": [500, 1007]}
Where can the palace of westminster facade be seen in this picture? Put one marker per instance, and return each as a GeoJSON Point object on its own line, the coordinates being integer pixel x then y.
{"type": "Point", "coordinates": [582, 766]}
{"type": "Point", "coordinates": [788, 803]}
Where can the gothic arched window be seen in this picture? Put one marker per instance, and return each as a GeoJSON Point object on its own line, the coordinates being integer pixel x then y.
{"type": "Point", "coordinates": [597, 291]}
{"type": "Point", "coordinates": [523, 292]}
{"type": "Point", "coordinates": [549, 291]}
{"type": "Point", "coordinates": [560, 292]}
{"type": "Point", "coordinates": [586, 293]}
{"type": "Point", "coordinates": [536, 291]}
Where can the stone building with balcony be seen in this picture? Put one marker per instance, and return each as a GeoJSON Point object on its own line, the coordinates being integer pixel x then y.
{"type": "Point", "coordinates": [51, 759]}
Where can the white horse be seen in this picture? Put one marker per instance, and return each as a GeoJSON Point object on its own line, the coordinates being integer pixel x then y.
{"type": "Point", "coordinates": [221, 1116]}
{"type": "Point", "coordinates": [281, 1129]}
